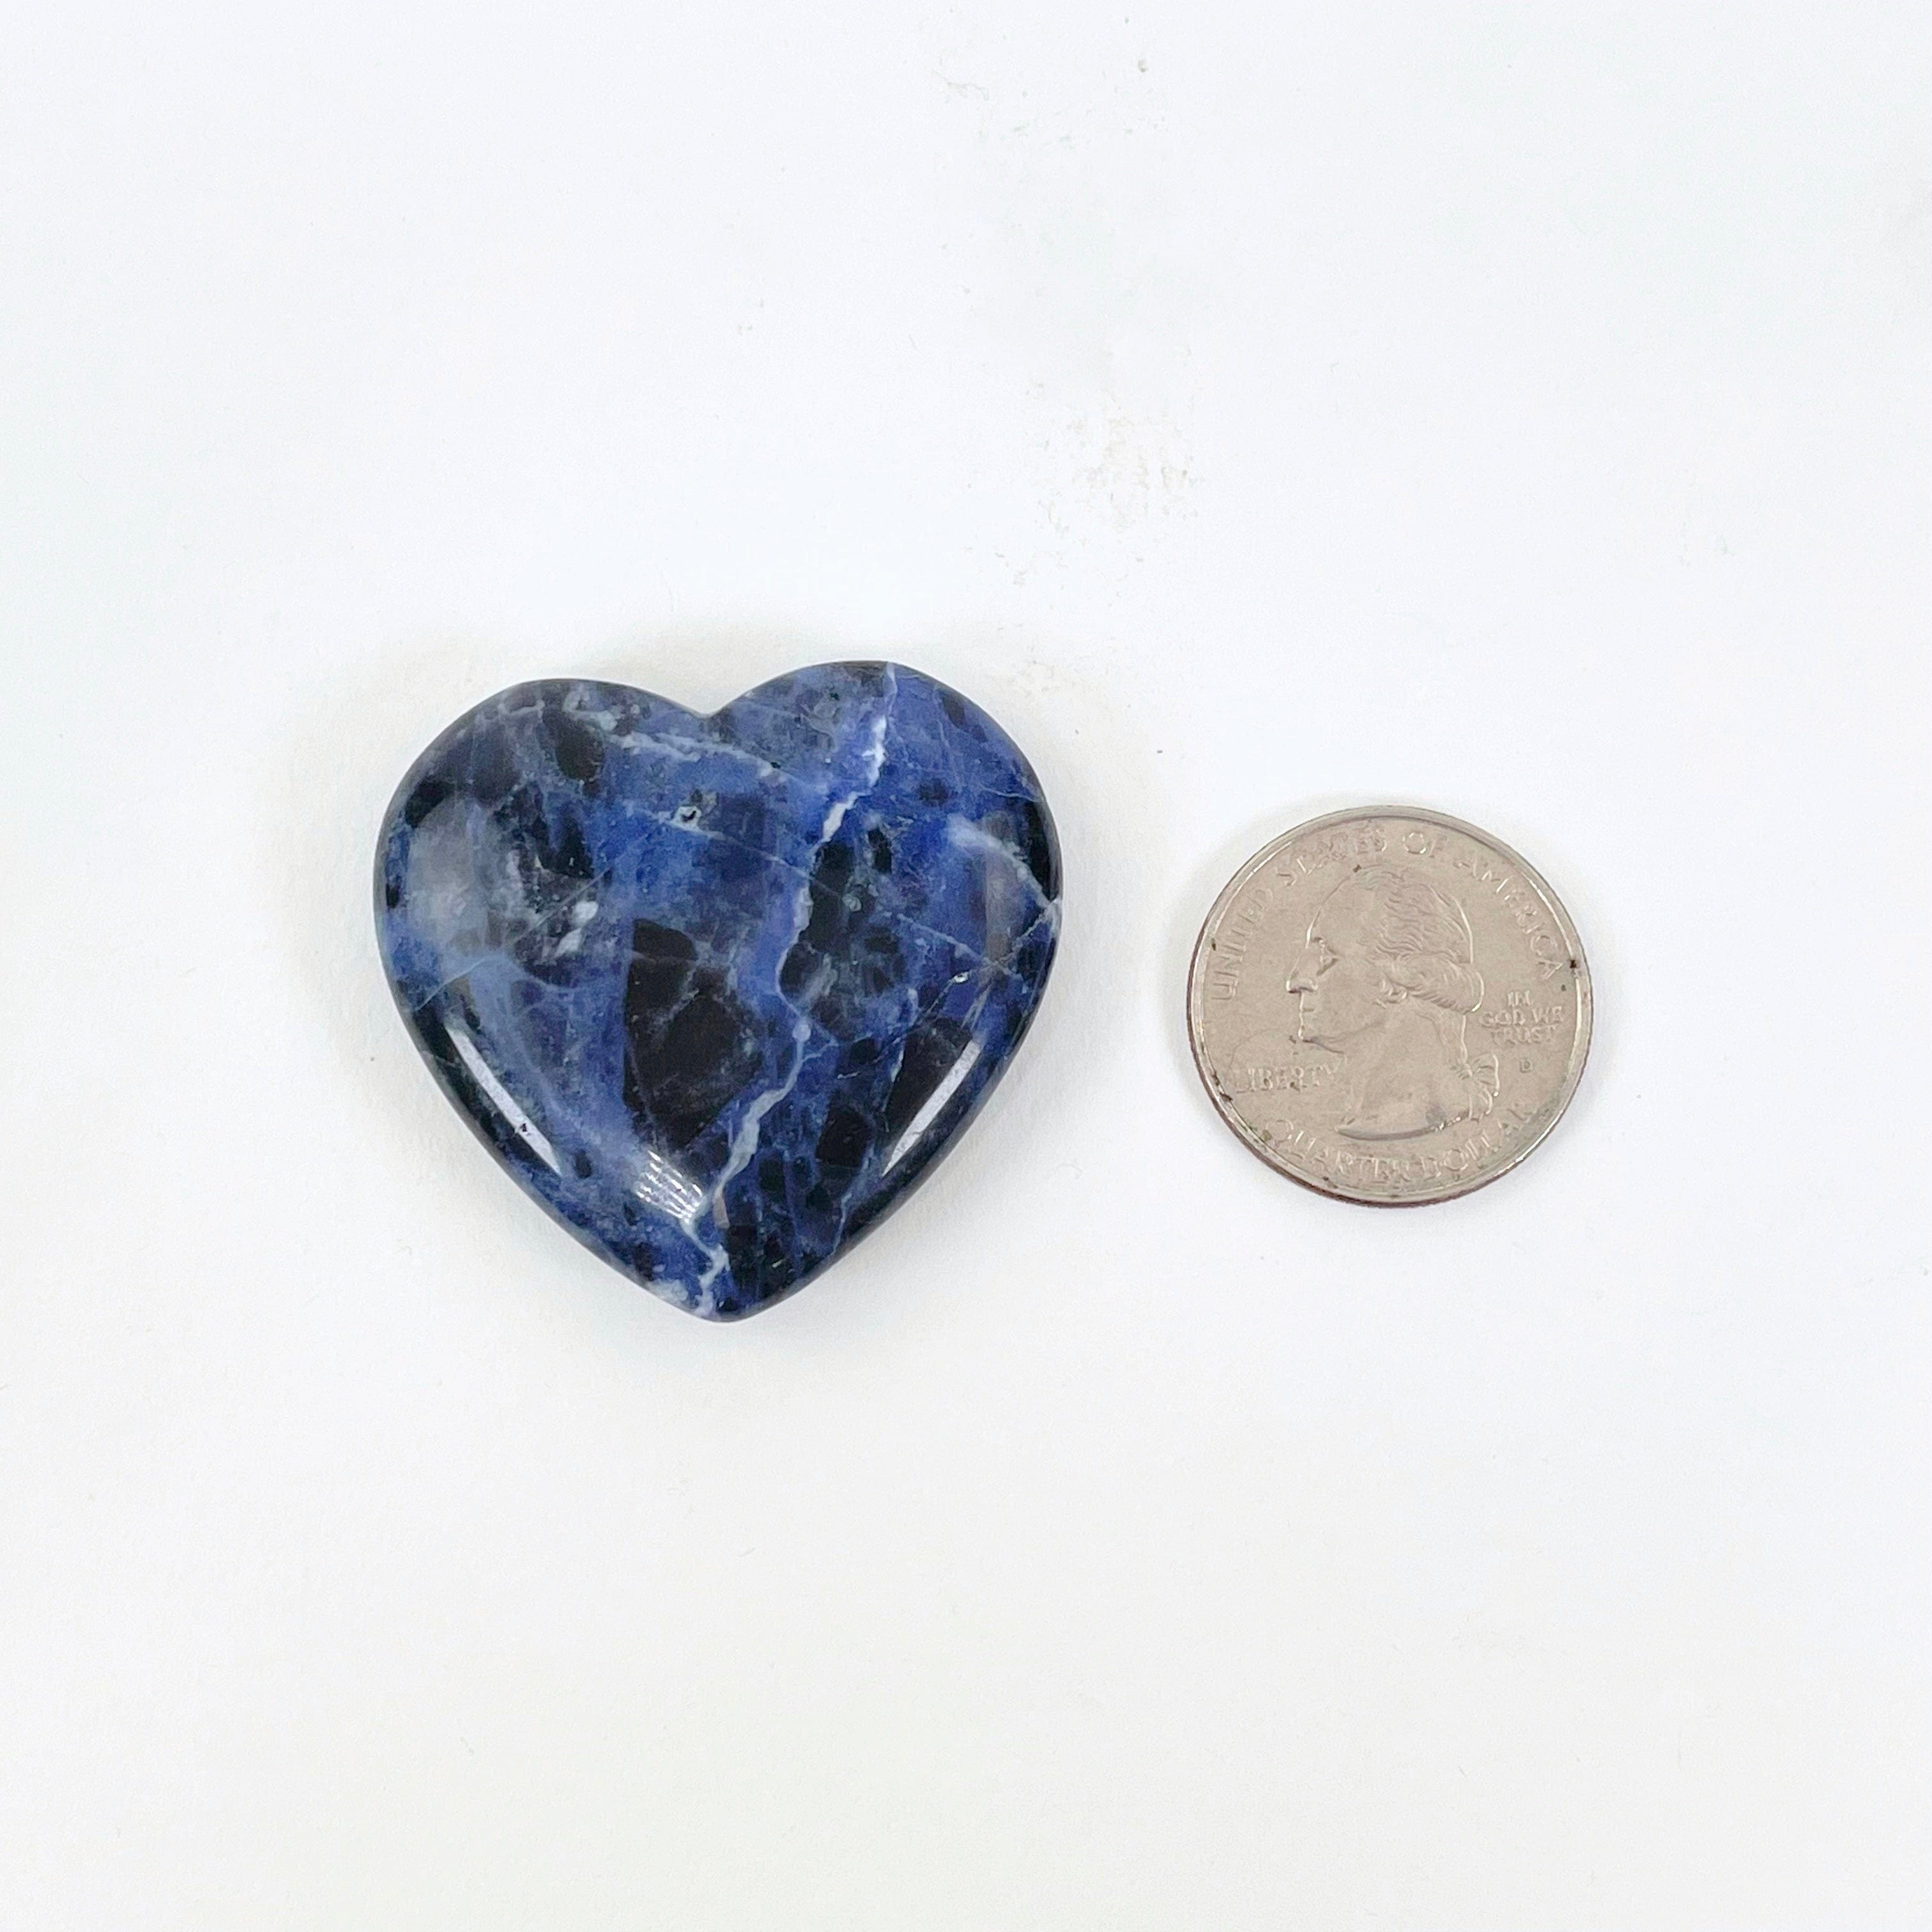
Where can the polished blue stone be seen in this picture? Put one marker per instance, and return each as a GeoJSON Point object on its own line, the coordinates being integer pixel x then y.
{"type": "Point", "coordinates": [718, 990]}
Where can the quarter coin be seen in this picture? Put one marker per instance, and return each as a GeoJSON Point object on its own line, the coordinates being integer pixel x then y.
{"type": "Point", "coordinates": [1389, 1007]}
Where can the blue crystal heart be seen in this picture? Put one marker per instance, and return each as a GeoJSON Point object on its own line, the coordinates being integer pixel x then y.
{"type": "Point", "coordinates": [718, 990]}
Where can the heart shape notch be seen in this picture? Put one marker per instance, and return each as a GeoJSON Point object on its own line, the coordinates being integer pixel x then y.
{"type": "Point", "coordinates": [718, 992]}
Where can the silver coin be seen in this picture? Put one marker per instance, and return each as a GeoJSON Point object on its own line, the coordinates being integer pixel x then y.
{"type": "Point", "coordinates": [1389, 1007]}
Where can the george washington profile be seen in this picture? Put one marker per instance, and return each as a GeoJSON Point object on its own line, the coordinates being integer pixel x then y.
{"type": "Point", "coordinates": [1387, 981]}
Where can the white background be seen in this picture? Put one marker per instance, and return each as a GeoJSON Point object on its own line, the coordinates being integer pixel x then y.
{"type": "Point", "coordinates": [1522, 411]}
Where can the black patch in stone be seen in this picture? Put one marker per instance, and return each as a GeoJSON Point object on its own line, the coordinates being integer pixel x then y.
{"type": "Point", "coordinates": [662, 958]}
{"type": "Point", "coordinates": [843, 1140]}
{"type": "Point", "coordinates": [492, 767]}
{"type": "Point", "coordinates": [579, 748]}
{"type": "Point", "coordinates": [1035, 839]}
{"type": "Point", "coordinates": [689, 1045]}
{"type": "Point", "coordinates": [425, 800]}
{"type": "Point", "coordinates": [883, 963]}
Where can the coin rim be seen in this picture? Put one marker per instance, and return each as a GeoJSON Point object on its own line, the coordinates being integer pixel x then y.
{"type": "Point", "coordinates": [1579, 1052]}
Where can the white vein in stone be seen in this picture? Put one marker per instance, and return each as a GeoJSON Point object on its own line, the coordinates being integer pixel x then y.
{"type": "Point", "coordinates": [744, 1145]}
{"type": "Point", "coordinates": [744, 1140]}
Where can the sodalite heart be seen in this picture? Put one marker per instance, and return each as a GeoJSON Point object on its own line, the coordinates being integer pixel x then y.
{"type": "Point", "coordinates": [718, 990]}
